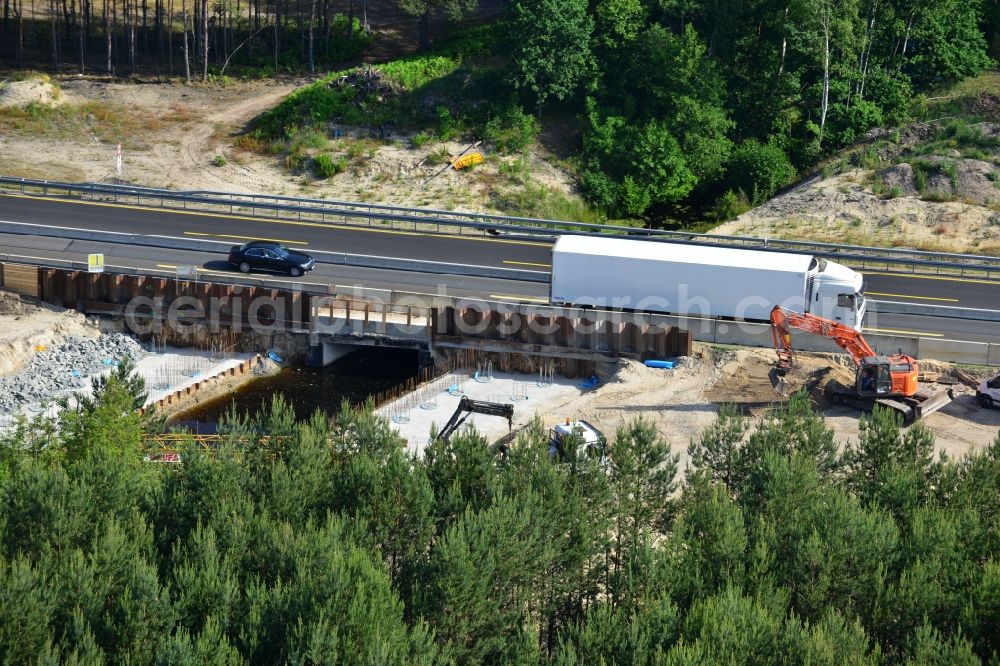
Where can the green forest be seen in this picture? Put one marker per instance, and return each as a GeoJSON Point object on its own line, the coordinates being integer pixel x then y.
{"type": "Point", "coordinates": [675, 104]}
{"type": "Point", "coordinates": [321, 542]}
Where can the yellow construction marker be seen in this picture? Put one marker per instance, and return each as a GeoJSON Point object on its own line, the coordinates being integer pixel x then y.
{"type": "Point", "coordinates": [892, 331]}
{"type": "Point", "coordinates": [526, 263]}
{"type": "Point", "coordinates": [919, 298]}
{"type": "Point", "coordinates": [249, 238]}
{"type": "Point", "coordinates": [247, 218]}
{"type": "Point", "coordinates": [514, 297]}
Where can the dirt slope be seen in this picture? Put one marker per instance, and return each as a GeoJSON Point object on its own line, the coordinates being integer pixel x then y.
{"type": "Point", "coordinates": [939, 202]}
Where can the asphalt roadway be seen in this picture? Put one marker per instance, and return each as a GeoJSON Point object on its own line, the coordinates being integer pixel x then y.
{"type": "Point", "coordinates": [473, 250]}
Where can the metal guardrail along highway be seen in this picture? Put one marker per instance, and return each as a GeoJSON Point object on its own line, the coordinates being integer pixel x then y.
{"type": "Point", "coordinates": [438, 221]}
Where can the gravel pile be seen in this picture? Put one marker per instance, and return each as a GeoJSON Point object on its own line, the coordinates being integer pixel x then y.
{"type": "Point", "coordinates": [265, 367]}
{"type": "Point", "coordinates": [56, 372]}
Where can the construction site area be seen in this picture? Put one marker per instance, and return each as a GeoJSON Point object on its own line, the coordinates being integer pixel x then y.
{"type": "Point", "coordinates": [684, 400]}
{"type": "Point", "coordinates": [681, 400]}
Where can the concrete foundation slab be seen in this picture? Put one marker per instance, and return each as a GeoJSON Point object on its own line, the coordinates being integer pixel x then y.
{"type": "Point", "coordinates": [413, 415]}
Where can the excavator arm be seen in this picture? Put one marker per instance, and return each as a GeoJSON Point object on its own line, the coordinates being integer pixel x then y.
{"type": "Point", "coordinates": [467, 406]}
{"type": "Point", "coordinates": [783, 320]}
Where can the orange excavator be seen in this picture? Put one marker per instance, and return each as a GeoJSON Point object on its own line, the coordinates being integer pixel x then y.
{"type": "Point", "coordinates": [891, 381]}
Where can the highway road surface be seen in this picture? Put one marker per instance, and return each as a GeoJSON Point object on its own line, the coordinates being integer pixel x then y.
{"type": "Point", "coordinates": [473, 250]}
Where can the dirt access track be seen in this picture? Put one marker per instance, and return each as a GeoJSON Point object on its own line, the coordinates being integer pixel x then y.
{"type": "Point", "coordinates": [170, 133]}
{"type": "Point", "coordinates": [183, 137]}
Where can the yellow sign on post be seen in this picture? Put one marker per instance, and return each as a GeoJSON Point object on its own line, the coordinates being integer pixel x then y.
{"type": "Point", "coordinates": [95, 263]}
{"type": "Point", "coordinates": [465, 161]}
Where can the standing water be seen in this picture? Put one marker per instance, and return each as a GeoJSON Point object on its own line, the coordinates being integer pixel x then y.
{"type": "Point", "coordinates": [366, 372]}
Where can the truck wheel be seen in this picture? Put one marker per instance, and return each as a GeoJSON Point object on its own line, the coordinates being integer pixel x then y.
{"type": "Point", "coordinates": [244, 267]}
{"type": "Point", "coordinates": [986, 401]}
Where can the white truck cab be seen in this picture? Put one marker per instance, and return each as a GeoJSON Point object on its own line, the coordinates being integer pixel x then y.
{"type": "Point", "coordinates": [838, 294]}
{"type": "Point", "coordinates": [988, 393]}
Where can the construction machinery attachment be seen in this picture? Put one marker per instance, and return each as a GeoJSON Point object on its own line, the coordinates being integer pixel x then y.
{"type": "Point", "coordinates": [467, 407]}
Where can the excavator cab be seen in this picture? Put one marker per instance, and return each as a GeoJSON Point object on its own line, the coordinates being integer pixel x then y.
{"type": "Point", "coordinates": [874, 377]}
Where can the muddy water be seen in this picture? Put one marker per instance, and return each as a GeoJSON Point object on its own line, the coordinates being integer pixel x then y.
{"type": "Point", "coordinates": [355, 377]}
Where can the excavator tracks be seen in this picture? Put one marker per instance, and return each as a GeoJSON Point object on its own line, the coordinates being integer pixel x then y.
{"type": "Point", "coordinates": [929, 398]}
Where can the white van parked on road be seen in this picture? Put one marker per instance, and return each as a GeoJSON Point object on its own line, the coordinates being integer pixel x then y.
{"type": "Point", "coordinates": [988, 392]}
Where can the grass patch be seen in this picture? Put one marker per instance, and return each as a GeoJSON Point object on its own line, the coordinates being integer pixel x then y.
{"type": "Point", "coordinates": [517, 170]}
{"type": "Point", "coordinates": [307, 140]}
{"type": "Point", "coordinates": [868, 158]}
{"type": "Point", "coordinates": [439, 156]}
{"type": "Point", "coordinates": [110, 123]}
{"type": "Point", "coordinates": [542, 202]}
{"type": "Point", "coordinates": [962, 135]}
{"type": "Point", "coordinates": [987, 82]}
{"type": "Point", "coordinates": [420, 139]}
{"type": "Point", "coordinates": [924, 169]}
{"type": "Point", "coordinates": [325, 166]}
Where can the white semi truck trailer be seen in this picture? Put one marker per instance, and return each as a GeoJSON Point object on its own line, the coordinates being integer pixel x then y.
{"type": "Point", "coordinates": [699, 280]}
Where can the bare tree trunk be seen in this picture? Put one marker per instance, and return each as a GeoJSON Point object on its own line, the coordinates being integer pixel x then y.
{"type": "Point", "coordinates": [195, 34]}
{"type": "Point", "coordinates": [130, 22]}
{"type": "Point", "coordinates": [81, 25]}
{"type": "Point", "coordinates": [906, 40]}
{"type": "Point", "coordinates": [784, 42]}
{"type": "Point", "coordinates": [54, 12]}
{"type": "Point", "coordinates": [158, 30]}
{"type": "Point", "coordinates": [170, 37]}
{"type": "Point", "coordinates": [327, 27]}
{"type": "Point", "coordinates": [866, 56]}
{"type": "Point", "coordinates": [19, 11]}
{"type": "Point", "coordinates": [277, 31]}
{"type": "Point", "coordinates": [107, 33]}
{"type": "Point", "coordinates": [251, 27]}
{"type": "Point", "coordinates": [187, 59]}
{"type": "Point", "coordinates": [6, 24]}
{"type": "Point", "coordinates": [134, 36]}
{"type": "Point", "coordinates": [825, 103]}
{"type": "Point", "coordinates": [312, 22]}
{"type": "Point", "coordinates": [425, 30]}
{"type": "Point", "coordinates": [204, 40]}
{"type": "Point", "coordinates": [234, 26]}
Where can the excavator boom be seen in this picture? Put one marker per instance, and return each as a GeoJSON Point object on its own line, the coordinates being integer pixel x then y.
{"type": "Point", "coordinates": [846, 337]}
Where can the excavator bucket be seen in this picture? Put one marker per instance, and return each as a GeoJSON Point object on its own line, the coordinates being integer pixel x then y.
{"type": "Point", "coordinates": [777, 377]}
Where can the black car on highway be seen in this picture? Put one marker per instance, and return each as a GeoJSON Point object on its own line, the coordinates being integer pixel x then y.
{"type": "Point", "coordinates": [270, 256]}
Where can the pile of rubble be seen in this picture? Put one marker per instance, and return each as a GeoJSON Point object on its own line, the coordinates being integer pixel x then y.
{"type": "Point", "coordinates": [369, 82]}
{"type": "Point", "coordinates": [54, 373]}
